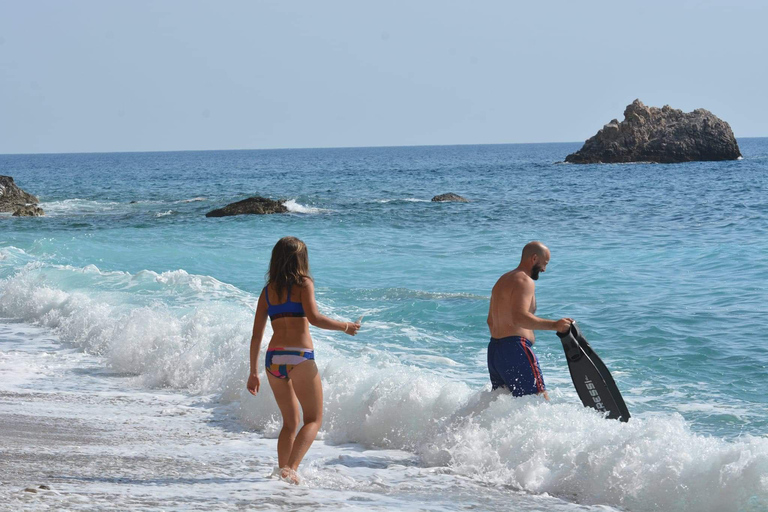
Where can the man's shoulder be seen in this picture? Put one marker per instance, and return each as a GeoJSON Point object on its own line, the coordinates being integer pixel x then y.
{"type": "Point", "coordinates": [522, 280]}
{"type": "Point", "coordinates": [514, 280]}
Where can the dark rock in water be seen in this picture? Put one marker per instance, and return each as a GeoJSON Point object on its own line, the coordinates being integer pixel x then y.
{"type": "Point", "coordinates": [662, 135]}
{"type": "Point", "coordinates": [29, 210]}
{"type": "Point", "coordinates": [449, 197]}
{"type": "Point", "coordinates": [252, 205]}
{"type": "Point", "coordinates": [12, 197]}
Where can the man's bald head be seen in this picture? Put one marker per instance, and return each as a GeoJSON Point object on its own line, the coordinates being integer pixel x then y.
{"type": "Point", "coordinates": [535, 248]}
{"type": "Point", "coordinates": [535, 259]}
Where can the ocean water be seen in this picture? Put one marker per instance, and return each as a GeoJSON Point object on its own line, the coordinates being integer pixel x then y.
{"type": "Point", "coordinates": [663, 266]}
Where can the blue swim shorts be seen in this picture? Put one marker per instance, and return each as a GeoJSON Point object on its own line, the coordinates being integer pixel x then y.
{"type": "Point", "coordinates": [513, 365]}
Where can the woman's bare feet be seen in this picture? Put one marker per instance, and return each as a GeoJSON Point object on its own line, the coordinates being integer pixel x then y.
{"type": "Point", "coordinates": [289, 475]}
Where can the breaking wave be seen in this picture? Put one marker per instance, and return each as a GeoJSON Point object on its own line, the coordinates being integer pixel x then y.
{"type": "Point", "coordinates": [191, 332]}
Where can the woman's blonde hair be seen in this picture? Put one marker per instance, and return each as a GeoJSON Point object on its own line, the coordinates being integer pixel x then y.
{"type": "Point", "coordinates": [289, 264]}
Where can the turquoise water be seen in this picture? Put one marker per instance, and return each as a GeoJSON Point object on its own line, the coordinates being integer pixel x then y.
{"type": "Point", "coordinates": [663, 266]}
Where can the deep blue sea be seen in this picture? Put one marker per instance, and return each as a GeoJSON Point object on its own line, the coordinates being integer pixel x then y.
{"type": "Point", "coordinates": [665, 267]}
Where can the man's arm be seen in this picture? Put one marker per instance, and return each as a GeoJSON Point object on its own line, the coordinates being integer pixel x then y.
{"type": "Point", "coordinates": [520, 307]}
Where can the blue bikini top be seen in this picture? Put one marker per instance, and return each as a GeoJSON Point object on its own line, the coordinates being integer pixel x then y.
{"type": "Point", "coordinates": [286, 309]}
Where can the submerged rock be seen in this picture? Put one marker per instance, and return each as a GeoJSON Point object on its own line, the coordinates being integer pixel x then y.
{"type": "Point", "coordinates": [30, 210]}
{"type": "Point", "coordinates": [252, 205]}
{"type": "Point", "coordinates": [449, 197]}
{"type": "Point", "coordinates": [12, 197]}
{"type": "Point", "coordinates": [662, 135]}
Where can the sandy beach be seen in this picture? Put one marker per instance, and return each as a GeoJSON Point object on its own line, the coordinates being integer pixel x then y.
{"type": "Point", "coordinates": [99, 447]}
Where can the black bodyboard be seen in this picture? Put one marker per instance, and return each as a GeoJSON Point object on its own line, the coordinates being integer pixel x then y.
{"type": "Point", "coordinates": [592, 380]}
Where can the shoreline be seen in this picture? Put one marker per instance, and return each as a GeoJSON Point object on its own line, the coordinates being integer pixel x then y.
{"type": "Point", "coordinates": [95, 441]}
{"type": "Point", "coordinates": [106, 445]}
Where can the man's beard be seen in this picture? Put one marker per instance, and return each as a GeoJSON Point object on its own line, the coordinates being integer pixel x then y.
{"type": "Point", "coordinates": [535, 272]}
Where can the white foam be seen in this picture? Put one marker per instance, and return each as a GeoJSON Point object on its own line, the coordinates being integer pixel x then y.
{"type": "Point", "coordinates": [165, 214]}
{"type": "Point", "coordinates": [81, 206]}
{"type": "Point", "coordinates": [172, 334]}
{"type": "Point", "coordinates": [193, 200]}
{"type": "Point", "coordinates": [434, 360]}
{"type": "Point", "coordinates": [295, 207]}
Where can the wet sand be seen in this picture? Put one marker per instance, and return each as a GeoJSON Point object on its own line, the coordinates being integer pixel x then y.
{"type": "Point", "coordinates": [93, 451]}
{"type": "Point", "coordinates": [95, 441]}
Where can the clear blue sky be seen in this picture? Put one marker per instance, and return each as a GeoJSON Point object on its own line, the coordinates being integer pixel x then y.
{"type": "Point", "coordinates": [83, 76]}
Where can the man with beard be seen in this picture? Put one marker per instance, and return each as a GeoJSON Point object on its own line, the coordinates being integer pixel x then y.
{"type": "Point", "coordinates": [512, 320]}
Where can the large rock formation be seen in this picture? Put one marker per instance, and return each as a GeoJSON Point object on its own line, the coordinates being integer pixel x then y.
{"type": "Point", "coordinates": [252, 205]}
{"type": "Point", "coordinates": [12, 197]}
{"type": "Point", "coordinates": [449, 197]}
{"type": "Point", "coordinates": [663, 135]}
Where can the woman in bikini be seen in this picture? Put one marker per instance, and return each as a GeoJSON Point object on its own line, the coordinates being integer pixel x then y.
{"type": "Point", "coordinates": [289, 301]}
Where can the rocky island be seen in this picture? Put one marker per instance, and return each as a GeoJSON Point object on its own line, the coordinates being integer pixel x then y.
{"type": "Point", "coordinates": [13, 199]}
{"type": "Point", "coordinates": [661, 135]}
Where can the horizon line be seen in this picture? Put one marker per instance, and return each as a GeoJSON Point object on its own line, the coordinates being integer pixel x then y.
{"type": "Point", "coordinates": [302, 148]}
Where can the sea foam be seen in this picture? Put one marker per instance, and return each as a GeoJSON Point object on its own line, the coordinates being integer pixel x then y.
{"type": "Point", "coordinates": [192, 333]}
{"type": "Point", "coordinates": [79, 207]}
{"type": "Point", "coordinates": [296, 207]}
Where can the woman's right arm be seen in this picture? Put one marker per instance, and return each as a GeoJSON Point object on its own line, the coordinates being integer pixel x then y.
{"type": "Point", "coordinates": [259, 325]}
{"type": "Point", "coordinates": [322, 321]}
